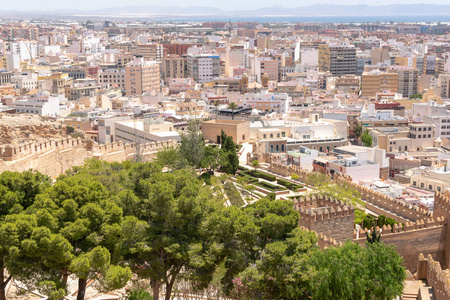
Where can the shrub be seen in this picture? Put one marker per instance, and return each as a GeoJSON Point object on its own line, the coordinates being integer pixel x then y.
{"type": "Point", "coordinates": [233, 194]}
{"type": "Point", "coordinates": [206, 177]}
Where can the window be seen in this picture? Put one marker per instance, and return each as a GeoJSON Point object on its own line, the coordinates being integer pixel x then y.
{"type": "Point", "coordinates": [438, 188]}
{"type": "Point", "coordinates": [278, 148]}
{"type": "Point", "coordinates": [278, 135]}
{"type": "Point", "coordinates": [264, 136]}
{"type": "Point", "coordinates": [271, 135]}
{"type": "Point", "coordinates": [414, 183]}
{"type": "Point", "coordinates": [430, 187]}
{"type": "Point", "coordinates": [422, 185]}
{"type": "Point", "coordinates": [282, 147]}
{"type": "Point", "coordinates": [271, 148]}
{"type": "Point", "coordinates": [283, 134]}
{"type": "Point", "coordinates": [429, 135]}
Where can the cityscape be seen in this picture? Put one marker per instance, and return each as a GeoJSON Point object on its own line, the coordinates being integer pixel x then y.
{"type": "Point", "coordinates": [197, 152]}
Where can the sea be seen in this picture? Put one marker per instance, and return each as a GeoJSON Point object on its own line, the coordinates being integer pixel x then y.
{"type": "Point", "coordinates": [307, 19]}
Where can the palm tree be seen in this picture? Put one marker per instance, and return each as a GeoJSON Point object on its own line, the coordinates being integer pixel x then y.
{"type": "Point", "coordinates": [216, 104]}
{"type": "Point", "coordinates": [233, 106]}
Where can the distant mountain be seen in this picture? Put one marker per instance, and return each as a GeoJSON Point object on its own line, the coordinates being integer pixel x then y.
{"type": "Point", "coordinates": [312, 10]}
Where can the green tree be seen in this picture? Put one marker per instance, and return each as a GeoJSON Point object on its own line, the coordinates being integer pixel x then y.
{"type": "Point", "coordinates": [255, 163]}
{"type": "Point", "coordinates": [229, 160]}
{"type": "Point", "coordinates": [170, 157]}
{"type": "Point", "coordinates": [172, 232]}
{"type": "Point", "coordinates": [282, 270]}
{"type": "Point", "coordinates": [18, 190]}
{"type": "Point", "coordinates": [247, 231]}
{"type": "Point", "coordinates": [358, 131]}
{"type": "Point", "coordinates": [211, 157]}
{"type": "Point", "coordinates": [139, 295]}
{"type": "Point", "coordinates": [233, 106]}
{"type": "Point", "coordinates": [98, 261]}
{"type": "Point", "coordinates": [366, 138]}
{"type": "Point", "coordinates": [30, 253]}
{"type": "Point", "coordinates": [81, 209]}
{"type": "Point", "coordinates": [192, 145]}
{"type": "Point", "coordinates": [356, 272]}
{"type": "Point", "coordinates": [295, 177]}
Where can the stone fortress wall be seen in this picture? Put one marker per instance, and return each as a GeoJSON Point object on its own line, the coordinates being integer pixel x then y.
{"type": "Point", "coordinates": [54, 157]}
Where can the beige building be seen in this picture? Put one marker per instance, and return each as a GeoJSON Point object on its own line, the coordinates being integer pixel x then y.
{"type": "Point", "coordinates": [142, 77]}
{"type": "Point", "coordinates": [173, 66]}
{"type": "Point", "coordinates": [238, 130]}
{"type": "Point", "coordinates": [407, 80]}
{"type": "Point", "coordinates": [150, 51]}
{"type": "Point", "coordinates": [339, 59]}
{"type": "Point", "coordinates": [376, 82]}
{"type": "Point", "coordinates": [444, 84]}
{"type": "Point", "coordinates": [347, 83]}
{"type": "Point", "coordinates": [400, 139]}
{"type": "Point", "coordinates": [435, 180]}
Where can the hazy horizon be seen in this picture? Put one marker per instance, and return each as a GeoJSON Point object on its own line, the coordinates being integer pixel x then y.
{"type": "Point", "coordinates": [230, 5]}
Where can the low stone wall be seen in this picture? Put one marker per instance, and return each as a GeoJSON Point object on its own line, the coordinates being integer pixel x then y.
{"type": "Point", "coordinates": [425, 236]}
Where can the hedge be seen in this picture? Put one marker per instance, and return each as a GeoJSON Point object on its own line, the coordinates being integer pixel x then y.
{"type": "Point", "coordinates": [288, 184]}
{"type": "Point", "coordinates": [269, 186]}
{"type": "Point", "coordinates": [249, 178]}
{"type": "Point", "coordinates": [233, 194]}
{"type": "Point", "coordinates": [258, 174]}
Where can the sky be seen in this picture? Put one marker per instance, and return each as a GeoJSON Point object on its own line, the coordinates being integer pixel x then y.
{"type": "Point", "coordinates": [26, 5]}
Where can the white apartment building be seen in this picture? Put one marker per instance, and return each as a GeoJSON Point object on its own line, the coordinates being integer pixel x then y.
{"type": "Point", "coordinates": [267, 102]}
{"type": "Point", "coordinates": [43, 104]}
{"type": "Point", "coordinates": [145, 131]}
{"type": "Point", "coordinates": [26, 81]}
{"type": "Point", "coordinates": [203, 67]}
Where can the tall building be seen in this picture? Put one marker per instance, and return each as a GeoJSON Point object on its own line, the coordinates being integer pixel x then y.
{"type": "Point", "coordinates": [141, 77]}
{"type": "Point", "coordinates": [379, 55]}
{"type": "Point", "coordinates": [150, 51]}
{"type": "Point", "coordinates": [407, 80]}
{"type": "Point", "coordinates": [376, 82]}
{"type": "Point", "coordinates": [203, 67]}
{"type": "Point", "coordinates": [444, 84]}
{"type": "Point", "coordinates": [339, 59]}
{"type": "Point", "coordinates": [264, 65]}
{"type": "Point", "coordinates": [173, 66]}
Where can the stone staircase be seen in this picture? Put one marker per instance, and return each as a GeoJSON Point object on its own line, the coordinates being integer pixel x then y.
{"type": "Point", "coordinates": [417, 290]}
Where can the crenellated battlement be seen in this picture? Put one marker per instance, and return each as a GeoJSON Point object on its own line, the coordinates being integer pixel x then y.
{"type": "Point", "coordinates": [438, 279]}
{"type": "Point", "coordinates": [398, 228]}
{"type": "Point", "coordinates": [323, 213]}
{"type": "Point", "coordinates": [326, 215]}
{"type": "Point", "coordinates": [323, 241]}
{"type": "Point", "coordinates": [54, 157]}
{"type": "Point", "coordinates": [398, 207]}
{"type": "Point", "coordinates": [17, 151]}
{"type": "Point", "coordinates": [314, 201]}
